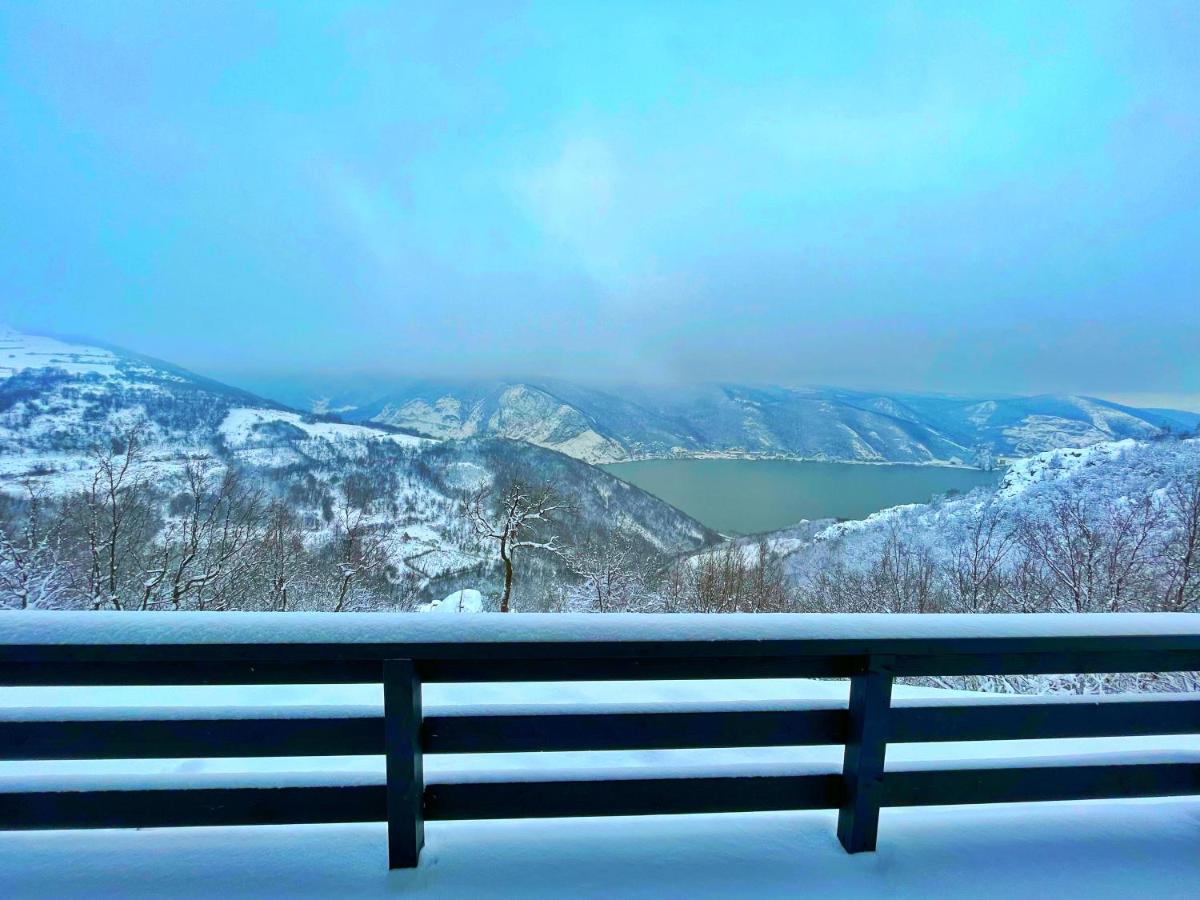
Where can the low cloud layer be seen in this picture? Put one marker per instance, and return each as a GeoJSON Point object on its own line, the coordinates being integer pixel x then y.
{"type": "Point", "coordinates": [986, 199]}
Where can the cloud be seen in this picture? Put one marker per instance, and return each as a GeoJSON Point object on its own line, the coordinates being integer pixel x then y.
{"type": "Point", "coordinates": [573, 199]}
{"type": "Point", "coordinates": [371, 212]}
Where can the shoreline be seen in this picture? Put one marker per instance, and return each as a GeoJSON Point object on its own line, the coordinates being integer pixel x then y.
{"type": "Point", "coordinates": [1002, 464]}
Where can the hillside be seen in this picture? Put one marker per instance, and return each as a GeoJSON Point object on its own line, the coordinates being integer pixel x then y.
{"type": "Point", "coordinates": [1109, 528]}
{"type": "Point", "coordinates": [610, 424]}
{"type": "Point", "coordinates": [69, 409]}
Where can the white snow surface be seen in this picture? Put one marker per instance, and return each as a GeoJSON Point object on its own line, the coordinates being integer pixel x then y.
{"type": "Point", "coordinates": [240, 425]}
{"type": "Point", "coordinates": [53, 627]}
{"type": "Point", "coordinates": [19, 352]}
{"type": "Point", "coordinates": [467, 600]}
{"type": "Point", "coordinates": [1142, 848]}
{"type": "Point", "coordinates": [1054, 464]}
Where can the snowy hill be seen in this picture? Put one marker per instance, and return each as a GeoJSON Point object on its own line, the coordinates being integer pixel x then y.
{"type": "Point", "coordinates": [608, 424]}
{"type": "Point", "coordinates": [66, 407]}
{"type": "Point", "coordinates": [1111, 527]}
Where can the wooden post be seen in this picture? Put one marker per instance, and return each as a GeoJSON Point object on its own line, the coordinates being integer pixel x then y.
{"type": "Point", "coordinates": [866, 747]}
{"type": "Point", "coordinates": [405, 778]}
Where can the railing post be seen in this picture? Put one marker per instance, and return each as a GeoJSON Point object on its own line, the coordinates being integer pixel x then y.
{"type": "Point", "coordinates": [866, 746]}
{"type": "Point", "coordinates": [405, 777]}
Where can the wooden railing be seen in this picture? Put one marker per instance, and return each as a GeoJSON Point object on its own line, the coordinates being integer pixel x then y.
{"type": "Point", "coordinates": [404, 652]}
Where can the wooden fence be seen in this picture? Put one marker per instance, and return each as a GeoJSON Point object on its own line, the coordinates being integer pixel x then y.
{"type": "Point", "coordinates": [404, 735]}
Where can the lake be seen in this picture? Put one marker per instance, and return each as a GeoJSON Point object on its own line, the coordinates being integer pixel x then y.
{"type": "Point", "coordinates": [746, 496]}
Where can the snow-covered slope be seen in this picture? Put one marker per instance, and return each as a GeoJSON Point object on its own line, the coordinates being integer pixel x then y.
{"type": "Point", "coordinates": [64, 404]}
{"type": "Point", "coordinates": [1109, 472]}
{"type": "Point", "coordinates": [59, 399]}
{"type": "Point", "coordinates": [609, 424]}
{"type": "Point", "coordinates": [519, 412]}
{"type": "Point", "coordinates": [20, 352]}
{"type": "Point", "coordinates": [1110, 527]}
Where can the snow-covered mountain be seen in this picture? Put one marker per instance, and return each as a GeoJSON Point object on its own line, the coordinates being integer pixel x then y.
{"type": "Point", "coordinates": [611, 424]}
{"type": "Point", "coordinates": [1110, 527]}
{"type": "Point", "coordinates": [65, 405]}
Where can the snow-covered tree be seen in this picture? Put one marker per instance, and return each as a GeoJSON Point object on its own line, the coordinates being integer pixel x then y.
{"type": "Point", "coordinates": [115, 520]}
{"type": "Point", "coordinates": [1181, 550]}
{"type": "Point", "coordinates": [515, 517]}
{"type": "Point", "coordinates": [32, 574]}
{"type": "Point", "coordinates": [211, 541]}
{"type": "Point", "coordinates": [612, 575]}
{"type": "Point", "coordinates": [360, 551]}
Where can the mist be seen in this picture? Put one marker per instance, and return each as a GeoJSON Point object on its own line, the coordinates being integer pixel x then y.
{"type": "Point", "coordinates": [997, 200]}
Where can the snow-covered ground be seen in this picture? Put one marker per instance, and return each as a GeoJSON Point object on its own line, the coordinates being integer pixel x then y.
{"type": "Point", "coordinates": [19, 352]}
{"type": "Point", "coordinates": [467, 600]}
{"type": "Point", "coordinates": [1093, 849]}
{"type": "Point", "coordinates": [241, 425]}
{"type": "Point", "coordinates": [1114, 472]}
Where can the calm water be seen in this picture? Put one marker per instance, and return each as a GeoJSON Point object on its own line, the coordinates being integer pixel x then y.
{"type": "Point", "coordinates": [745, 496]}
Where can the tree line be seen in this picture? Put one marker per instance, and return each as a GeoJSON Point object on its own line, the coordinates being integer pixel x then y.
{"type": "Point", "coordinates": [214, 540]}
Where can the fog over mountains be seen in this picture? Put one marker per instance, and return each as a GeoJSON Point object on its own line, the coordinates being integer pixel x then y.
{"type": "Point", "coordinates": [610, 424]}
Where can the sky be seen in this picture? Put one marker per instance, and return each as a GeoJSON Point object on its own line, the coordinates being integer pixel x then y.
{"type": "Point", "coordinates": [964, 198]}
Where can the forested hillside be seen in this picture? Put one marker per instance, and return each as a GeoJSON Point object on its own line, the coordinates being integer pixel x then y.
{"type": "Point", "coordinates": [128, 483]}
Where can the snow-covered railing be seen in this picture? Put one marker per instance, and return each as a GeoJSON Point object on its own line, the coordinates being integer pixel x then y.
{"type": "Point", "coordinates": [403, 652]}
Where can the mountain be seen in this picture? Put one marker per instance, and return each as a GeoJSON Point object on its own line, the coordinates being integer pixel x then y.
{"type": "Point", "coordinates": [1110, 527]}
{"type": "Point", "coordinates": [610, 424]}
{"type": "Point", "coordinates": [65, 406]}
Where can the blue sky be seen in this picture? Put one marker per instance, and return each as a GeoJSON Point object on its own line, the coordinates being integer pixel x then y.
{"type": "Point", "coordinates": [929, 196]}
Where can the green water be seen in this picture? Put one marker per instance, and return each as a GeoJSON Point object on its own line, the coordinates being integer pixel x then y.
{"type": "Point", "coordinates": [746, 496]}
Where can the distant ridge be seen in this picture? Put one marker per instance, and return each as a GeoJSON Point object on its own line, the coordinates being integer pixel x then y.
{"type": "Point", "coordinates": [629, 422]}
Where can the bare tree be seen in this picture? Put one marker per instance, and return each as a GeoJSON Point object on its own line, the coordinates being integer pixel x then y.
{"type": "Point", "coordinates": [210, 542]}
{"type": "Point", "coordinates": [1067, 545]}
{"type": "Point", "coordinates": [362, 549]}
{"type": "Point", "coordinates": [31, 573]}
{"type": "Point", "coordinates": [979, 560]}
{"type": "Point", "coordinates": [612, 572]}
{"type": "Point", "coordinates": [735, 577]}
{"type": "Point", "coordinates": [1182, 552]}
{"type": "Point", "coordinates": [115, 518]}
{"type": "Point", "coordinates": [511, 518]}
{"type": "Point", "coordinates": [768, 589]}
{"type": "Point", "coordinates": [1127, 551]}
{"type": "Point", "coordinates": [282, 555]}
{"type": "Point", "coordinates": [902, 579]}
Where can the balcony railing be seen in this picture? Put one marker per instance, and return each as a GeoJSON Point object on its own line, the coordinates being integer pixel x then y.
{"type": "Point", "coordinates": [404, 652]}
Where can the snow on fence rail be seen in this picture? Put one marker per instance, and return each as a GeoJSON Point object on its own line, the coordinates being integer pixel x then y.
{"type": "Point", "coordinates": [405, 651]}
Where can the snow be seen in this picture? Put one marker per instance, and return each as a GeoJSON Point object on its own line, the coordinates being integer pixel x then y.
{"type": "Point", "coordinates": [50, 781]}
{"type": "Point", "coordinates": [1055, 464]}
{"type": "Point", "coordinates": [1105, 479]}
{"type": "Point", "coordinates": [240, 425]}
{"type": "Point", "coordinates": [519, 412]}
{"type": "Point", "coordinates": [19, 352]}
{"type": "Point", "coordinates": [441, 419]}
{"type": "Point", "coordinates": [465, 601]}
{"type": "Point", "coordinates": [52, 627]}
{"type": "Point", "coordinates": [110, 713]}
{"type": "Point", "coordinates": [1126, 849]}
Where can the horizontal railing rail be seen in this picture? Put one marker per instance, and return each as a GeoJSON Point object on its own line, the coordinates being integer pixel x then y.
{"type": "Point", "coordinates": [122, 650]}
